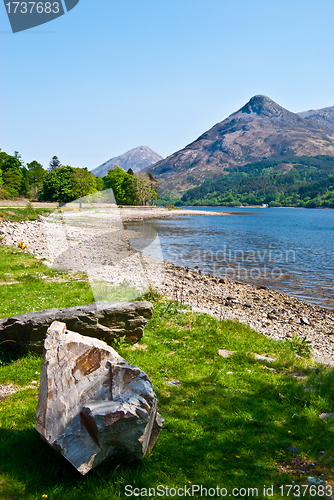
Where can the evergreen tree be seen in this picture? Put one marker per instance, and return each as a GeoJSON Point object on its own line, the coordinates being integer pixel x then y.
{"type": "Point", "coordinates": [54, 163]}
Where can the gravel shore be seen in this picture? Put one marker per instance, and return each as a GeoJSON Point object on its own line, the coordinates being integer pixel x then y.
{"type": "Point", "coordinates": [271, 313]}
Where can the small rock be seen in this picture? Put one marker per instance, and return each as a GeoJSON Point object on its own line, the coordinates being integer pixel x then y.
{"type": "Point", "coordinates": [326, 416]}
{"type": "Point", "coordinates": [272, 316]}
{"type": "Point", "coordinates": [304, 321]}
{"type": "Point", "coordinates": [314, 480]}
{"type": "Point", "coordinates": [259, 357]}
{"type": "Point", "coordinates": [225, 353]}
{"type": "Point", "coordinates": [174, 383]}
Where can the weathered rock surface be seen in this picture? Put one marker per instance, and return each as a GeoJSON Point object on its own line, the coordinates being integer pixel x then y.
{"type": "Point", "coordinates": [105, 320]}
{"type": "Point", "coordinates": [92, 404]}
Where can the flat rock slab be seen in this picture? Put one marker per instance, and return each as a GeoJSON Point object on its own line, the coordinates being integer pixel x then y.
{"type": "Point", "coordinates": [92, 404]}
{"type": "Point", "coordinates": [104, 320]}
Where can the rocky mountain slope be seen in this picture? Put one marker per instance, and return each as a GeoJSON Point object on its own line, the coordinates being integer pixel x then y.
{"type": "Point", "coordinates": [137, 159]}
{"type": "Point", "coordinates": [260, 129]}
{"type": "Point", "coordinates": [323, 117]}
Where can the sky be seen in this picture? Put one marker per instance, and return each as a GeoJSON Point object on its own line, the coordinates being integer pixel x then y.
{"type": "Point", "coordinates": [112, 75]}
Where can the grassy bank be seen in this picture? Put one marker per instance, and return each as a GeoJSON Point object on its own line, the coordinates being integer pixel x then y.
{"type": "Point", "coordinates": [15, 214]}
{"type": "Point", "coordinates": [229, 422]}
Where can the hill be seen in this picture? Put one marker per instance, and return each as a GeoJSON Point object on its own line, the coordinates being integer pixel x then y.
{"type": "Point", "coordinates": [260, 129]}
{"type": "Point", "coordinates": [299, 181]}
{"type": "Point", "coordinates": [137, 159]}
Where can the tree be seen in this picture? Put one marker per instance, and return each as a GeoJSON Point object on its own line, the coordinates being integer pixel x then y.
{"type": "Point", "coordinates": [8, 162]}
{"type": "Point", "coordinates": [36, 174]}
{"type": "Point", "coordinates": [54, 163]}
{"type": "Point", "coordinates": [18, 157]}
{"type": "Point", "coordinates": [122, 185]}
{"type": "Point", "coordinates": [144, 190]}
{"type": "Point", "coordinates": [84, 183]}
{"type": "Point", "coordinates": [65, 184]}
{"type": "Point", "coordinates": [99, 183]}
{"type": "Point", "coordinates": [130, 171]}
{"type": "Point", "coordinates": [15, 176]}
{"type": "Point", "coordinates": [12, 183]}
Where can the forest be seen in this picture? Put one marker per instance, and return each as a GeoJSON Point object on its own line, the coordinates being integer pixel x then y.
{"type": "Point", "coordinates": [303, 181]}
{"type": "Point", "coordinates": [63, 183]}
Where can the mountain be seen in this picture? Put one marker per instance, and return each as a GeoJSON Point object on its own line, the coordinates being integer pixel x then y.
{"type": "Point", "coordinates": [323, 117]}
{"type": "Point", "coordinates": [137, 159]}
{"type": "Point", "coordinates": [260, 129]}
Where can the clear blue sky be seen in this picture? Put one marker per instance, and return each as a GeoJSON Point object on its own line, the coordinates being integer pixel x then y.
{"type": "Point", "coordinates": [112, 75]}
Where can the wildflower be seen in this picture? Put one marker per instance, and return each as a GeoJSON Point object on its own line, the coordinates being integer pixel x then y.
{"type": "Point", "coordinates": [44, 496]}
{"type": "Point", "coordinates": [237, 456]}
{"type": "Point", "coordinates": [289, 432]}
{"type": "Point", "coordinates": [21, 245]}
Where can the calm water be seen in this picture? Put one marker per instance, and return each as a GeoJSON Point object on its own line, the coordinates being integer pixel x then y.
{"type": "Point", "coordinates": [290, 250]}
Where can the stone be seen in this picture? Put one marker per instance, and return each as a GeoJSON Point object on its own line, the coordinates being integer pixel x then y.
{"type": "Point", "coordinates": [103, 320]}
{"type": "Point", "coordinates": [272, 316]}
{"type": "Point", "coordinates": [174, 383]}
{"type": "Point", "coordinates": [92, 404]}
{"type": "Point", "coordinates": [304, 321]}
{"type": "Point", "coordinates": [225, 353]}
{"type": "Point", "coordinates": [326, 416]}
{"type": "Point", "coordinates": [259, 357]}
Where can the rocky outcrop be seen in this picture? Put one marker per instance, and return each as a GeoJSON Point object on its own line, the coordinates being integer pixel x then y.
{"type": "Point", "coordinates": [92, 404]}
{"type": "Point", "coordinates": [105, 320]}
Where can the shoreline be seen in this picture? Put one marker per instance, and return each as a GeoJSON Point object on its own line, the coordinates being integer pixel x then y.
{"type": "Point", "coordinates": [150, 213]}
{"type": "Point", "coordinates": [271, 313]}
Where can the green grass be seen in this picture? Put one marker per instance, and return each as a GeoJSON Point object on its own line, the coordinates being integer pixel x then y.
{"type": "Point", "coordinates": [16, 214]}
{"type": "Point", "coordinates": [26, 284]}
{"type": "Point", "coordinates": [221, 428]}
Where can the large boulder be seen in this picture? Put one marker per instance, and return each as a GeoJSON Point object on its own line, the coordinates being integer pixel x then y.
{"type": "Point", "coordinates": [92, 404]}
{"type": "Point", "coordinates": [104, 320]}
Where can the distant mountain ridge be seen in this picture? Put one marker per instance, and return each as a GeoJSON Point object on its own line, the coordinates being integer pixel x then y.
{"type": "Point", "coordinates": [137, 159]}
{"type": "Point", "coordinates": [323, 117]}
{"type": "Point", "coordinates": [260, 129]}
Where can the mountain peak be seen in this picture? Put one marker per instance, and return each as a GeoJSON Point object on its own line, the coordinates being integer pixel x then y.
{"type": "Point", "coordinates": [264, 107]}
{"type": "Point", "coordinates": [137, 159]}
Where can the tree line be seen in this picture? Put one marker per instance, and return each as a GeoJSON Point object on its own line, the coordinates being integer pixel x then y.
{"type": "Point", "coordinates": [63, 183]}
